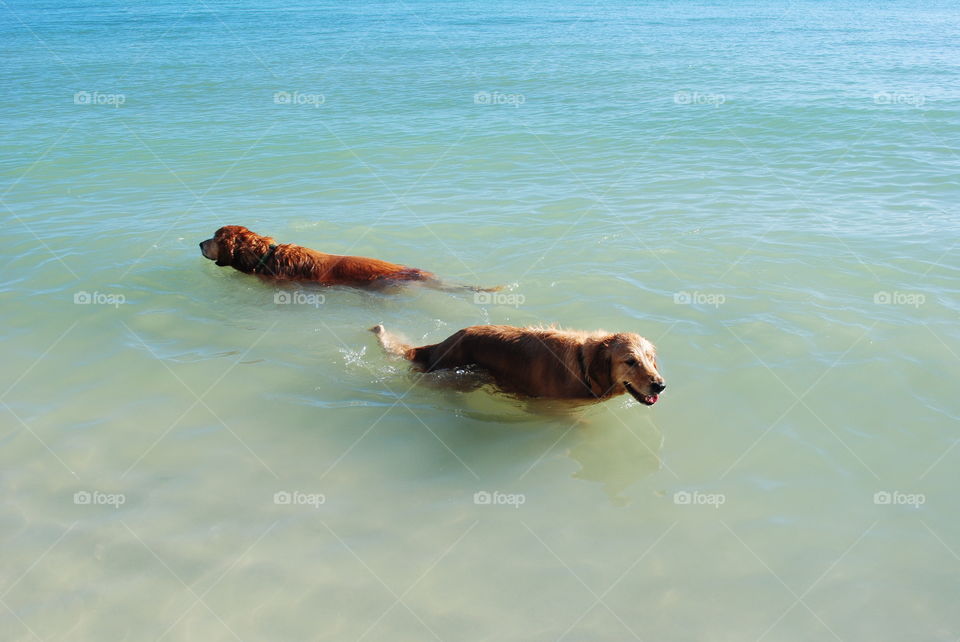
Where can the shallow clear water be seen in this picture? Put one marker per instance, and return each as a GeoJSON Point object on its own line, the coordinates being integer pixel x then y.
{"type": "Point", "coordinates": [766, 191]}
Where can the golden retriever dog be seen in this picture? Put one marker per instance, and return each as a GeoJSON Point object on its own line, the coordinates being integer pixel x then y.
{"type": "Point", "coordinates": [545, 362]}
{"type": "Point", "coordinates": [251, 253]}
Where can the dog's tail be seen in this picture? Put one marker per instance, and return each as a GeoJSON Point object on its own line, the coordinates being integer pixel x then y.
{"type": "Point", "coordinates": [391, 343]}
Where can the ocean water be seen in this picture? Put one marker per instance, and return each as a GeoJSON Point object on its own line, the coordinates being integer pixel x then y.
{"type": "Point", "coordinates": [766, 190]}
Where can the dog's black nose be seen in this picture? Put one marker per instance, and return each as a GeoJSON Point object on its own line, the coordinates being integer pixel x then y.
{"type": "Point", "coordinates": [201, 245]}
{"type": "Point", "coordinates": [658, 387]}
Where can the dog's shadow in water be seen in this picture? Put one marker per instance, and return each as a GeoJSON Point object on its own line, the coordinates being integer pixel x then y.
{"type": "Point", "coordinates": [617, 455]}
{"type": "Point", "coordinates": [608, 451]}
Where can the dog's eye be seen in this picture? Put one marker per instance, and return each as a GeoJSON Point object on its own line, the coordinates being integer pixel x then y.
{"type": "Point", "coordinates": [631, 362]}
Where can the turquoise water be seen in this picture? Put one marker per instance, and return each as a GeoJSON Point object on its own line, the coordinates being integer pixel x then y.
{"type": "Point", "coordinates": [768, 191]}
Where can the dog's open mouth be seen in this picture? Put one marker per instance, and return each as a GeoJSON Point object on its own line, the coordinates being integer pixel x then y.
{"type": "Point", "coordinates": [646, 400]}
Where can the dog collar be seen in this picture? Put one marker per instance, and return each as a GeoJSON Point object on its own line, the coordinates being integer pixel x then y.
{"type": "Point", "coordinates": [266, 257]}
{"type": "Point", "coordinates": [584, 377]}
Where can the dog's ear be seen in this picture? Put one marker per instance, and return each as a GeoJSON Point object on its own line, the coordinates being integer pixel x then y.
{"type": "Point", "coordinates": [599, 359]}
{"type": "Point", "coordinates": [224, 247]}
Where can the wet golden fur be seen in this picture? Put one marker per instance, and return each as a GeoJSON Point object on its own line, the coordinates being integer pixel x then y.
{"type": "Point", "coordinates": [545, 362]}
{"type": "Point", "coordinates": [248, 252]}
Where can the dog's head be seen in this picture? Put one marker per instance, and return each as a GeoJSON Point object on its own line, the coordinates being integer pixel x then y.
{"type": "Point", "coordinates": [236, 246]}
{"type": "Point", "coordinates": [627, 362]}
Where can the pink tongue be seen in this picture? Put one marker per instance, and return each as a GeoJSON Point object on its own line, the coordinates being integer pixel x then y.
{"type": "Point", "coordinates": [653, 398]}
